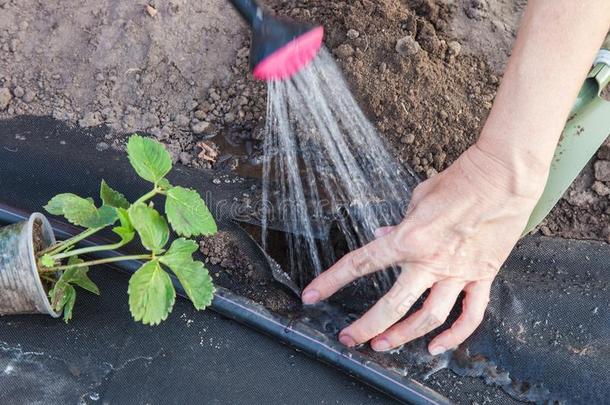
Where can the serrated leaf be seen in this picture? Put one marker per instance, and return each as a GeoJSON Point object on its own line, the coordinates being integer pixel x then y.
{"type": "Point", "coordinates": [111, 197]}
{"type": "Point", "coordinates": [193, 276]}
{"type": "Point", "coordinates": [126, 231]}
{"type": "Point", "coordinates": [149, 158]}
{"type": "Point", "coordinates": [78, 276]}
{"type": "Point", "coordinates": [164, 184]}
{"type": "Point", "coordinates": [47, 261]}
{"type": "Point", "coordinates": [151, 227]}
{"type": "Point", "coordinates": [151, 294]}
{"type": "Point", "coordinates": [62, 297]}
{"type": "Point", "coordinates": [187, 213]}
{"type": "Point", "coordinates": [67, 302]}
{"type": "Point", "coordinates": [81, 211]}
{"type": "Point", "coordinates": [180, 250]}
{"type": "Point", "coordinates": [196, 281]}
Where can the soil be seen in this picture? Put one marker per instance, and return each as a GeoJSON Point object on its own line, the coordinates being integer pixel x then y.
{"type": "Point", "coordinates": [425, 71]}
{"type": "Point", "coordinates": [233, 269]}
{"type": "Point", "coordinates": [37, 239]}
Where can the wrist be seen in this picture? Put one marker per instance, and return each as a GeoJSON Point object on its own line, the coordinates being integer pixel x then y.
{"type": "Point", "coordinates": [519, 173]}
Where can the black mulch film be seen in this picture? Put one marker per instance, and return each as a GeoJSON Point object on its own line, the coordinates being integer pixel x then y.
{"type": "Point", "coordinates": [545, 336]}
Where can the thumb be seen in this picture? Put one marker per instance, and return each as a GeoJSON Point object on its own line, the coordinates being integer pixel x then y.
{"type": "Point", "coordinates": [383, 231]}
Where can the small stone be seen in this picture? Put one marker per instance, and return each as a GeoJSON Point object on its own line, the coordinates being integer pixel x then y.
{"type": "Point", "coordinates": [5, 98]}
{"type": "Point", "coordinates": [546, 231]}
{"type": "Point", "coordinates": [185, 158]}
{"type": "Point", "coordinates": [29, 96]}
{"type": "Point", "coordinates": [407, 46]}
{"type": "Point", "coordinates": [102, 146]}
{"type": "Point", "coordinates": [604, 151]}
{"type": "Point", "coordinates": [91, 119]}
{"type": "Point", "coordinates": [408, 139]}
{"type": "Point", "coordinates": [182, 120]}
{"type": "Point", "coordinates": [18, 92]}
{"type": "Point", "coordinates": [431, 172]}
{"type": "Point", "coordinates": [229, 118]}
{"type": "Point", "coordinates": [601, 189]}
{"type": "Point", "coordinates": [344, 51]}
{"type": "Point", "coordinates": [454, 48]}
{"type": "Point", "coordinates": [602, 170]}
{"type": "Point", "coordinates": [151, 10]}
{"type": "Point", "coordinates": [383, 67]}
{"type": "Point", "coordinates": [352, 34]}
{"type": "Point", "coordinates": [581, 198]}
{"type": "Point", "coordinates": [200, 127]}
{"type": "Point", "coordinates": [200, 115]}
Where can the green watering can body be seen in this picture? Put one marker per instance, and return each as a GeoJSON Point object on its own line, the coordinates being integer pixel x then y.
{"type": "Point", "coordinates": [587, 128]}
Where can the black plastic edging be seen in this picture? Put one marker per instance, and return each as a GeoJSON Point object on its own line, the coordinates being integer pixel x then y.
{"type": "Point", "coordinates": [241, 310]}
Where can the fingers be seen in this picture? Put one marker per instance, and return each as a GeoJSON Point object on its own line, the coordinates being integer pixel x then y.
{"type": "Point", "coordinates": [433, 314]}
{"type": "Point", "coordinates": [389, 309]}
{"type": "Point", "coordinates": [381, 253]}
{"type": "Point", "coordinates": [473, 311]}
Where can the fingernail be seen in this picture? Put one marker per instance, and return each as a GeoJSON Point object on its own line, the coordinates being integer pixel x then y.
{"type": "Point", "coordinates": [346, 340]}
{"type": "Point", "coordinates": [436, 350]}
{"type": "Point", "coordinates": [381, 345]}
{"type": "Point", "coordinates": [310, 297]}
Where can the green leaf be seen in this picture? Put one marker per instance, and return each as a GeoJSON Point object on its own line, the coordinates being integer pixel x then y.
{"type": "Point", "coordinates": [187, 213]}
{"type": "Point", "coordinates": [67, 302]}
{"type": "Point", "coordinates": [196, 281]}
{"type": "Point", "coordinates": [149, 158]}
{"type": "Point", "coordinates": [81, 211]}
{"type": "Point", "coordinates": [164, 184]}
{"type": "Point", "coordinates": [193, 276]}
{"type": "Point", "coordinates": [180, 250]}
{"type": "Point", "coordinates": [62, 297]}
{"type": "Point", "coordinates": [47, 261]}
{"type": "Point", "coordinates": [151, 227]}
{"type": "Point", "coordinates": [78, 276]}
{"type": "Point", "coordinates": [126, 231]}
{"type": "Point", "coordinates": [151, 294]}
{"type": "Point", "coordinates": [111, 197]}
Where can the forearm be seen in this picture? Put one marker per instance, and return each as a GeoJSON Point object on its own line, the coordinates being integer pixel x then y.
{"type": "Point", "coordinates": [556, 44]}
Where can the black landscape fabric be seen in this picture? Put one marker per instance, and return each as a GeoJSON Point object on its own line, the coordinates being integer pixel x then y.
{"type": "Point", "coordinates": [545, 336]}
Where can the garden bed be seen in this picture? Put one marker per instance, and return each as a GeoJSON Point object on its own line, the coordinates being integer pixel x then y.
{"type": "Point", "coordinates": [181, 76]}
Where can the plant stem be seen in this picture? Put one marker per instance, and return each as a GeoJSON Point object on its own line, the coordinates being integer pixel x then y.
{"type": "Point", "coordinates": [60, 247]}
{"type": "Point", "coordinates": [148, 195]}
{"type": "Point", "coordinates": [92, 249]}
{"type": "Point", "coordinates": [96, 262]}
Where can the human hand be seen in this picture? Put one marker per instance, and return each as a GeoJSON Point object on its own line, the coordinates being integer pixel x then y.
{"type": "Point", "coordinates": [459, 229]}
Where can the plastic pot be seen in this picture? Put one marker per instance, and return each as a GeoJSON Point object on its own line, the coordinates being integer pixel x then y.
{"type": "Point", "coordinates": [21, 290]}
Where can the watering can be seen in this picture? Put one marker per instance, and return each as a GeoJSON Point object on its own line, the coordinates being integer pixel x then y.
{"type": "Point", "coordinates": [280, 48]}
{"type": "Point", "coordinates": [587, 128]}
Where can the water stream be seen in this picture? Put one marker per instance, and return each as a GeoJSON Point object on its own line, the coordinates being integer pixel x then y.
{"type": "Point", "coordinates": [325, 163]}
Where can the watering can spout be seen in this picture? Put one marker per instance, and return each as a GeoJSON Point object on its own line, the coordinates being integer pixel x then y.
{"type": "Point", "coordinates": [280, 47]}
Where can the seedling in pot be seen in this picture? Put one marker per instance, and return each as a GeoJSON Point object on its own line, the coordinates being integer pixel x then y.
{"type": "Point", "coordinates": [151, 293]}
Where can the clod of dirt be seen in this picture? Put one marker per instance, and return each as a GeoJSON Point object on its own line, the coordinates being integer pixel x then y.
{"type": "Point", "coordinates": [5, 98]}
{"type": "Point", "coordinates": [200, 127]}
{"type": "Point", "coordinates": [91, 119]}
{"type": "Point", "coordinates": [602, 170]}
{"type": "Point", "coordinates": [601, 189]}
{"type": "Point", "coordinates": [352, 34]}
{"type": "Point", "coordinates": [18, 92]}
{"type": "Point", "coordinates": [344, 51]}
{"type": "Point", "coordinates": [241, 276]}
{"type": "Point", "coordinates": [407, 46]}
